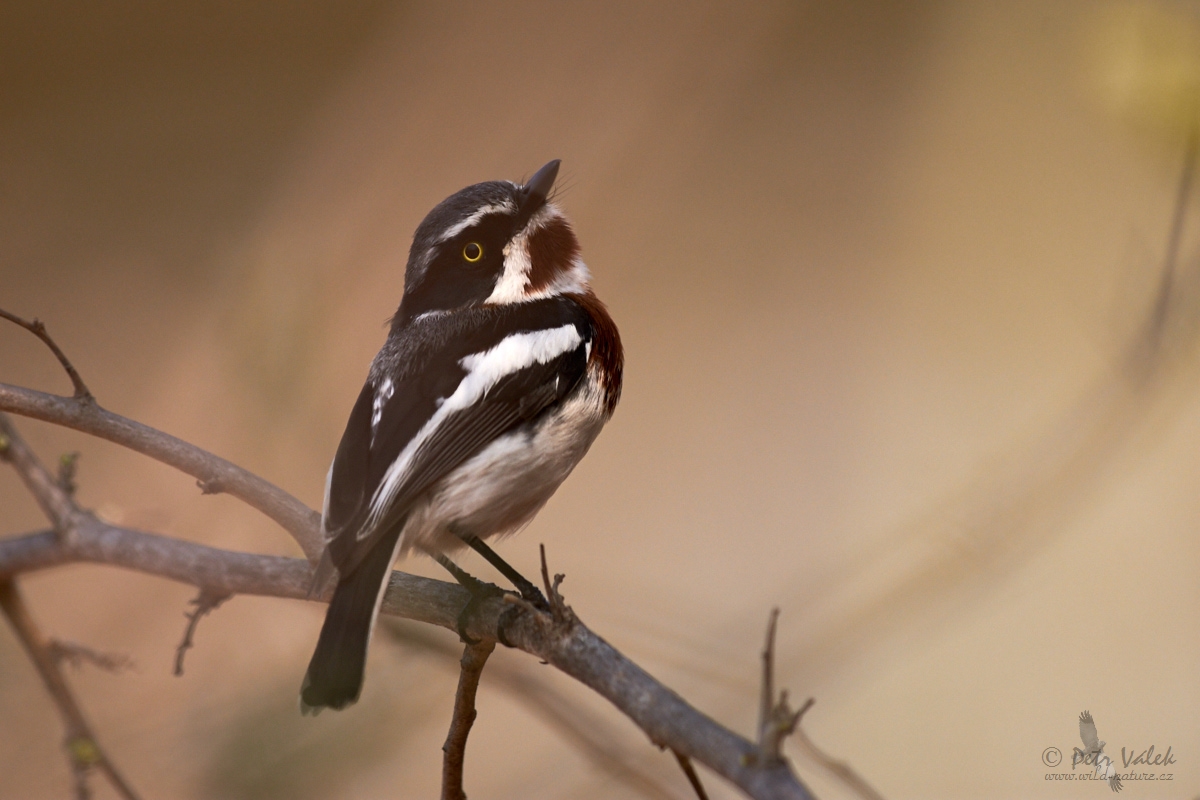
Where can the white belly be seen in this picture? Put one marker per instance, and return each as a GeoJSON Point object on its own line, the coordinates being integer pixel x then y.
{"type": "Point", "coordinates": [502, 487]}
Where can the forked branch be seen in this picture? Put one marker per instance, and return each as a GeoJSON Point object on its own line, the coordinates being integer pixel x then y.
{"type": "Point", "coordinates": [565, 643]}
{"type": "Point", "coordinates": [38, 329]}
{"type": "Point", "coordinates": [84, 752]}
{"type": "Point", "coordinates": [558, 638]}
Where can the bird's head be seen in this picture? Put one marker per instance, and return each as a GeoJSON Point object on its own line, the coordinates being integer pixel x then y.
{"type": "Point", "coordinates": [492, 243]}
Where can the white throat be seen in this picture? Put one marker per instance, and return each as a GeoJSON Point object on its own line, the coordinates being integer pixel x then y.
{"type": "Point", "coordinates": [514, 284]}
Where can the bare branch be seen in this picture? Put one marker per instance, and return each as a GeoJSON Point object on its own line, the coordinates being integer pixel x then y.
{"type": "Point", "coordinates": [83, 750]}
{"type": "Point", "coordinates": [55, 503]}
{"type": "Point", "coordinates": [664, 716]}
{"type": "Point", "coordinates": [566, 643]}
{"type": "Point", "coordinates": [570, 719]}
{"type": "Point", "coordinates": [685, 764]}
{"type": "Point", "coordinates": [77, 655]}
{"type": "Point", "coordinates": [1175, 237]}
{"type": "Point", "coordinates": [215, 473]}
{"type": "Point", "coordinates": [208, 600]}
{"type": "Point", "coordinates": [766, 697]}
{"type": "Point", "coordinates": [776, 719]}
{"type": "Point", "coordinates": [38, 329]}
{"type": "Point", "coordinates": [473, 659]}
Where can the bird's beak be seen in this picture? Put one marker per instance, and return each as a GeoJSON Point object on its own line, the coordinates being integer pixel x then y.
{"type": "Point", "coordinates": [538, 188]}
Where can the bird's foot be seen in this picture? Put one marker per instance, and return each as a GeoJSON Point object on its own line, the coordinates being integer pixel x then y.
{"type": "Point", "coordinates": [480, 592]}
{"type": "Point", "coordinates": [529, 593]}
{"type": "Point", "coordinates": [532, 595]}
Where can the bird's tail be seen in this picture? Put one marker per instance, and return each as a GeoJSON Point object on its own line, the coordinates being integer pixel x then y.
{"type": "Point", "coordinates": [335, 673]}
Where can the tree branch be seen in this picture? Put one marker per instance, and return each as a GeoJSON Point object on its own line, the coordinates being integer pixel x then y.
{"type": "Point", "coordinates": [559, 639]}
{"type": "Point", "coordinates": [473, 659]}
{"type": "Point", "coordinates": [776, 720]}
{"type": "Point", "coordinates": [204, 603]}
{"type": "Point", "coordinates": [212, 472]}
{"type": "Point", "coordinates": [38, 329]}
{"type": "Point", "coordinates": [570, 720]}
{"type": "Point", "coordinates": [83, 750]}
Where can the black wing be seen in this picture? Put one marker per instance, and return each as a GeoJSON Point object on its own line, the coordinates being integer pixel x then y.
{"type": "Point", "coordinates": [396, 436]}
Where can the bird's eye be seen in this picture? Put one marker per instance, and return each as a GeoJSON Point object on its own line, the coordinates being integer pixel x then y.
{"type": "Point", "coordinates": [473, 252]}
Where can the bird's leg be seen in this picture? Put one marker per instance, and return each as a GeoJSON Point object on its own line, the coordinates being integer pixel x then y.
{"type": "Point", "coordinates": [478, 589]}
{"type": "Point", "coordinates": [529, 593]}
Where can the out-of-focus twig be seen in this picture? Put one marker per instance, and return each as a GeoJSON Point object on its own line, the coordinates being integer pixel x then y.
{"type": "Point", "coordinates": [77, 655]}
{"type": "Point", "coordinates": [839, 769]}
{"type": "Point", "coordinates": [1016, 504]}
{"type": "Point", "coordinates": [83, 749]}
{"type": "Point", "coordinates": [474, 657]}
{"type": "Point", "coordinates": [1186, 176]}
{"type": "Point", "coordinates": [56, 503]}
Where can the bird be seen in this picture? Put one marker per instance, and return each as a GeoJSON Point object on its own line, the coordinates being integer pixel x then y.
{"type": "Point", "coordinates": [1092, 746]}
{"type": "Point", "coordinates": [1093, 752]}
{"type": "Point", "coordinates": [499, 370]}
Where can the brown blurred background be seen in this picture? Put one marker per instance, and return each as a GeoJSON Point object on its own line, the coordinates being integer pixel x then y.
{"type": "Point", "coordinates": [883, 272]}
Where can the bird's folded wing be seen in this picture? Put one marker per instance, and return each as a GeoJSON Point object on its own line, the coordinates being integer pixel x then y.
{"type": "Point", "coordinates": [407, 432]}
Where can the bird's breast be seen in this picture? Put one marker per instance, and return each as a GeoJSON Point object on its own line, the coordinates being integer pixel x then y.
{"type": "Point", "coordinates": [500, 489]}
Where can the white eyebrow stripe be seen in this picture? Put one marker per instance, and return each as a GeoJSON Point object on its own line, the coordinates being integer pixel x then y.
{"type": "Point", "coordinates": [507, 207]}
{"type": "Point", "coordinates": [485, 369]}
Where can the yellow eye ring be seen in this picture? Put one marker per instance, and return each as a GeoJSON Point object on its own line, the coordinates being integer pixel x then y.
{"type": "Point", "coordinates": [473, 252]}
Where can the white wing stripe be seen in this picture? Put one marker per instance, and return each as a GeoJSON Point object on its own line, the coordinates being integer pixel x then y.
{"type": "Point", "coordinates": [484, 370]}
{"type": "Point", "coordinates": [382, 395]}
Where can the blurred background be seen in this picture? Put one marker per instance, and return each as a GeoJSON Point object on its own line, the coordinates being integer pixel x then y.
{"type": "Point", "coordinates": [900, 361]}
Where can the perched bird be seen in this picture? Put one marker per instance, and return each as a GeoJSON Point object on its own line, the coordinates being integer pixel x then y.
{"type": "Point", "coordinates": [499, 371]}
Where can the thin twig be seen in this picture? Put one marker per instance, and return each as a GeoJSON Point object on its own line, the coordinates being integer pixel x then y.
{"type": "Point", "coordinates": [1175, 237]}
{"type": "Point", "coordinates": [38, 329]}
{"type": "Point", "coordinates": [587, 732]}
{"type": "Point", "coordinates": [206, 601]}
{"type": "Point", "coordinates": [56, 503]}
{"type": "Point", "coordinates": [83, 750]}
{"type": "Point", "coordinates": [1143, 358]}
{"type": "Point", "coordinates": [766, 698]}
{"type": "Point", "coordinates": [77, 655]}
{"type": "Point", "coordinates": [685, 764]}
{"type": "Point", "coordinates": [840, 769]}
{"type": "Point", "coordinates": [473, 659]}
{"type": "Point", "coordinates": [777, 721]}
